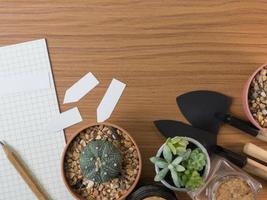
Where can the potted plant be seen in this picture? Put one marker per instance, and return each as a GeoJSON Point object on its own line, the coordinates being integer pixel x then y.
{"type": "Point", "coordinates": [101, 162]}
{"type": "Point", "coordinates": [181, 164]}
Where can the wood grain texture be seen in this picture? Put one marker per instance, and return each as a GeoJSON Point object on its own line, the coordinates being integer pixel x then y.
{"type": "Point", "coordinates": [159, 48]}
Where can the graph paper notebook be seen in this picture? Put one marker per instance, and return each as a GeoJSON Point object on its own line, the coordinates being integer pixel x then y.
{"type": "Point", "coordinates": [27, 103]}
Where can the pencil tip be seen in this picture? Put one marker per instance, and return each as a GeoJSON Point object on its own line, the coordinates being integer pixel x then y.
{"type": "Point", "coordinates": [2, 143]}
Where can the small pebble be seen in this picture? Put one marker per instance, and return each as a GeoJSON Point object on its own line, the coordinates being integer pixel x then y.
{"type": "Point", "coordinates": [258, 97]}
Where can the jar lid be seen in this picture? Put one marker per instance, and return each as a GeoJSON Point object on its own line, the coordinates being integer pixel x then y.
{"type": "Point", "coordinates": [152, 191]}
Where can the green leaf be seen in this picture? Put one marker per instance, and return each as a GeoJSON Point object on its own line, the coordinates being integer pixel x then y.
{"type": "Point", "coordinates": [170, 166]}
{"type": "Point", "coordinates": [177, 160]}
{"type": "Point", "coordinates": [173, 149]}
{"type": "Point", "coordinates": [180, 140]}
{"type": "Point", "coordinates": [161, 175]}
{"type": "Point", "coordinates": [167, 154]}
{"type": "Point", "coordinates": [154, 159]}
{"type": "Point", "coordinates": [159, 162]}
{"type": "Point", "coordinates": [177, 145]}
{"type": "Point", "coordinates": [180, 174]}
{"type": "Point", "coordinates": [168, 140]}
{"type": "Point", "coordinates": [175, 178]}
{"type": "Point", "coordinates": [179, 168]}
{"type": "Point", "coordinates": [180, 151]}
{"type": "Point", "coordinates": [186, 154]}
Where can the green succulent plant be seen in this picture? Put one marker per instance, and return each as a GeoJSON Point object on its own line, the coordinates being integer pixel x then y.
{"type": "Point", "coordinates": [100, 161]}
{"type": "Point", "coordinates": [185, 166]}
{"type": "Point", "coordinates": [167, 164]}
{"type": "Point", "coordinates": [191, 179]}
{"type": "Point", "coordinates": [177, 145]}
{"type": "Point", "coordinates": [196, 160]}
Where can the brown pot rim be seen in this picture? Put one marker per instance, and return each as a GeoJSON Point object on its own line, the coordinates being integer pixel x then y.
{"type": "Point", "coordinates": [78, 197]}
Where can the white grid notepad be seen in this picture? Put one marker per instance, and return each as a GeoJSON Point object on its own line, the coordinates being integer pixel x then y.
{"type": "Point", "coordinates": [24, 116]}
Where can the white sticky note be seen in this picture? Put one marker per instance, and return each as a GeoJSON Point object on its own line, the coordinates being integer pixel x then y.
{"type": "Point", "coordinates": [80, 88]}
{"type": "Point", "coordinates": [110, 100]}
{"type": "Point", "coordinates": [65, 119]}
{"type": "Point", "coordinates": [24, 82]}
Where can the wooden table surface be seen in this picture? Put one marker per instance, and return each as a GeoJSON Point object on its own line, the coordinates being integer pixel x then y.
{"type": "Point", "coordinates": [159, 48]}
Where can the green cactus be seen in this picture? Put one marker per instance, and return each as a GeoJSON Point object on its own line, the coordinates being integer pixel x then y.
{"type": "Point", "coordinates": [100, 161]}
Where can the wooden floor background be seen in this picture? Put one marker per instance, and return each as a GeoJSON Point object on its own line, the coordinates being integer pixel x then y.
{"type": "Point", "coordinates": [160, 48]}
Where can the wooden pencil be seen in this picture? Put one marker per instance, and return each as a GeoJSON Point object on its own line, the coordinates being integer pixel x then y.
{"type": "Point", "coordinates": [24, 173]}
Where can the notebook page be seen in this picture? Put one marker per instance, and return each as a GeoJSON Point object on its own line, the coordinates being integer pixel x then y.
{"type": "Point", "coordinates": [24, 116]}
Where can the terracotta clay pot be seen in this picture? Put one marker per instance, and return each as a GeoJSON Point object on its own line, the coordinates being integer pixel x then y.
{"type": "Point", "coordinates": [77, 196]}
{"type": "Point", "coordinates": [245, 99]}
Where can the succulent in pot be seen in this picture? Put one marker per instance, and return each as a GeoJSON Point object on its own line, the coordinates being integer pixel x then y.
{"type": "Point", "coordinates": [181, 164]}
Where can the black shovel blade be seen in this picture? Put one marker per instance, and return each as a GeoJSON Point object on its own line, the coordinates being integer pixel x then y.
{"type": "Point", "coordinates": [171, 128]}
{"type": "Point", "coordinates": [200, 107]}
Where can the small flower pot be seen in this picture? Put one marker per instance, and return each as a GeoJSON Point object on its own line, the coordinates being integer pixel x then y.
{"type": "Point", "coordinates": [205, 173]}
{"type": "Point", "coordinates": [245, 99]}
{"type": "Point", "coordinates": [82, 188]}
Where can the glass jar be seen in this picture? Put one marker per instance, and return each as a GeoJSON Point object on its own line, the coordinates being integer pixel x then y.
{"type": "Point", "coordinates": [221, 170]}
{"type": "Point", "coordinates": [217, 182]}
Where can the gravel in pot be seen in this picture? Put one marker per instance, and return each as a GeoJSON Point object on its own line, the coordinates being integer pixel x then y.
{"type": "Point", "coordinates": [102, 162]}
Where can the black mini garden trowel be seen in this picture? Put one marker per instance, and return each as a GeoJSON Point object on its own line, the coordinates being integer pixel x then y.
{"type": "Point", "coordinates": [171, 128]}
{"type": "Point", "coordinates": [207, 110]}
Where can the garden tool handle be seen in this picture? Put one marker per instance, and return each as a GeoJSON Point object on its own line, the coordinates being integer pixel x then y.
{"type": "Point", "coordinates": [238, 123]}
{"type": "Point", "coordinates": [255, 152]}
{"type": "Point", "coordinates": [256, 168]}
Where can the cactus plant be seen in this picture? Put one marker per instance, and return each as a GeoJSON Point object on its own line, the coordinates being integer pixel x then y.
{"type": "Point", "coordinates": [100, 161]}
